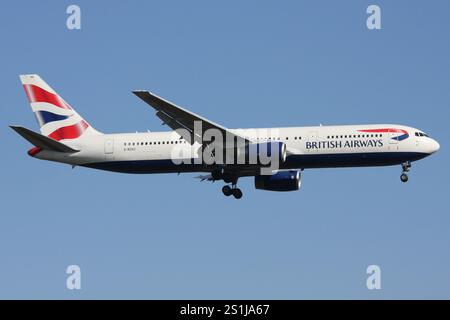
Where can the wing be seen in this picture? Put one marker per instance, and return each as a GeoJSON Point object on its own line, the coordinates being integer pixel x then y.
{"type": "Point", "coordinates": [178, 118]}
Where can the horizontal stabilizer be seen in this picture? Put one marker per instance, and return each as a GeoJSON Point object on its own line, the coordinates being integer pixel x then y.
{"type": "Point", "coordinates": [42, 141]}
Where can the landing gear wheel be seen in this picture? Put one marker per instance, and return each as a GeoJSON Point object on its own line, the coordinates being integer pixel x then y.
{"type": "Point", "coordinates": [404, 177]}
{"type": "Point", "coordinates": [405, 168]}
{"type": "Point", "coordinates": [227, 191]}
{"type": "Point", "coordinates": [237, 193]}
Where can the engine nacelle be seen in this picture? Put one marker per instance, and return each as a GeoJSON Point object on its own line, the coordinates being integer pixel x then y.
{"type": "Point", "coordinates": [281, 181]}
{"type": "Point", "coordinates": [264, 153]}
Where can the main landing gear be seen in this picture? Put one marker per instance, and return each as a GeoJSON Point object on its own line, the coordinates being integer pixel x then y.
{"type": "Point", "coordinates": [228, 191]}
{"type": "Point", "coordinates": [228, 178]}
{"type": "Point", "coordinates": [405, 168]}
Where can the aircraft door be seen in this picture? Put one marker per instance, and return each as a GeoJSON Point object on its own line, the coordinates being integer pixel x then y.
{"type": "Point", "coordinates": [392, 140]}
{"type": "Point", "coordinates": [109, 149]}
{"type": "Point", "coordinates": [392, 136]}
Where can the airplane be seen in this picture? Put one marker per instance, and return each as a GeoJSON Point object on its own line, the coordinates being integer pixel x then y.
{"type": "Point", "coordinates": [67, 138]}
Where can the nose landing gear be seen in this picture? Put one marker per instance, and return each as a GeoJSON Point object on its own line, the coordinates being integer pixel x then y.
{"type": "Point", "coordinates": [405, 168]}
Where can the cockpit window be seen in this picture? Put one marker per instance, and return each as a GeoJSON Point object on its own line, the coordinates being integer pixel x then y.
{"type": "Point", "coordinates": [421, 134]}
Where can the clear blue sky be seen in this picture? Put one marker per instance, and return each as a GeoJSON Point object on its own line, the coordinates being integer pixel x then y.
{"type": "Point", "coordinates": [241, 64]}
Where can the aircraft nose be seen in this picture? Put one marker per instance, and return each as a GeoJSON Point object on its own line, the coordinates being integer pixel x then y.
{"type": "Point", "coordinates": [434, 146]}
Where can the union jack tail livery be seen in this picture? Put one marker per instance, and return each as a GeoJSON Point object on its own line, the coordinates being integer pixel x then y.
{"type": "Point", "coordinates": [56, 118]}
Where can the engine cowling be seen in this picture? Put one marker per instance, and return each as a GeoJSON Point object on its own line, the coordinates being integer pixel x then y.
{"type": "Point", "coordinates": [281, 181]}
{"type": "Point", "coordinates": [261, 153]}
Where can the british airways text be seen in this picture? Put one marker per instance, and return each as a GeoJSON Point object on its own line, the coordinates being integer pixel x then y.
{"type": "Point", "coordinates": [374, 143]}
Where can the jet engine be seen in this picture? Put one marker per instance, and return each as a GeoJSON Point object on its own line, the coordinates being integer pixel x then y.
{"type": "Point", "coordinates": [281, 181]}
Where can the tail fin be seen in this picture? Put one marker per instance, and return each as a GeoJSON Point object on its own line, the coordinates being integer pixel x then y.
{"type": "Point", "coordinates": [56, 118]}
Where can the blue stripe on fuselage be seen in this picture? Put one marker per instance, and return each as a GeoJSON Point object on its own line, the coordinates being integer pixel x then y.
{"type": "Point", "coordinates": [402, 137]}
{"type": "Point", "coordinates": [334, 160]}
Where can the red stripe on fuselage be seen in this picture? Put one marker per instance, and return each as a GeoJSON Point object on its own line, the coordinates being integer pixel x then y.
{"type": "Point", "coordinates": [385, 130]}
{"type": "Point", "coordinates": [69, 132]}
{"type": "Point", "coordinates": [37, 94]}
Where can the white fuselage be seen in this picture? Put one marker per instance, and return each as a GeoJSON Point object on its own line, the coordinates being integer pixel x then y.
{"type": "Point", "coordinates": [308, 147]}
